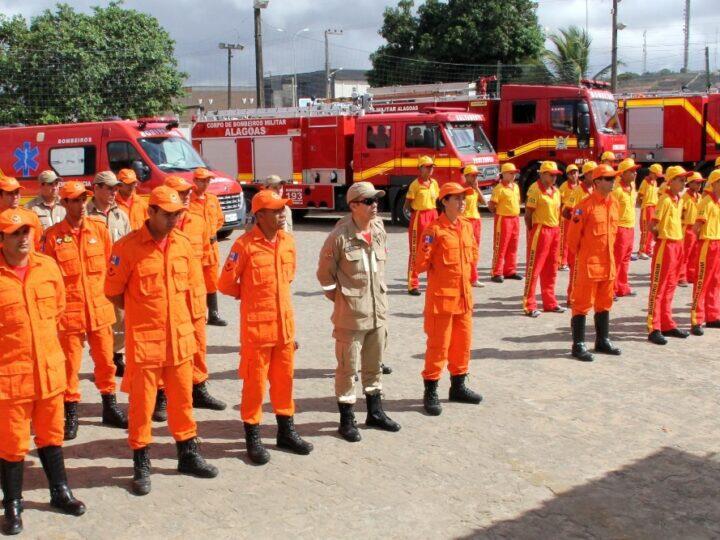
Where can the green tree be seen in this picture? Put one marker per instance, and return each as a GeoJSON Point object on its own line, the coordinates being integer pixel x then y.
{"type": "Point", "coordinates": [454, 41]}
{"type": "Point", "coordinates": [66, 66]}
{"type": "Point", "coordinates": [570, 59]}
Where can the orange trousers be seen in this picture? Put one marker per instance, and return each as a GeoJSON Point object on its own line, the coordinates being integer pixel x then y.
{"type": "Point", "coordinates": [199, 360]}
{"type": "Point", "coordinates": [542, 249]}
{"type": "Point", "coordinates": [505, 245]}
{"type": "Point", "coordinates": [706, 291]}
{"type": "Point", "coordinates": [477, 233]}
{"type": "Point", "coordinates": [419, 219]}
{"type": "Point", "coordinates": [101, 352]}
{"type": "Point", "coordinates": [647, 240]}
{"type": "Point", "coordinates": [210, 273]}
{"type": "Point", "coordinates": [258, 365]}
{"type": "Point", "coordinates": [590, 294]}
{"type": "Point", "coordinates": [623, 251]}
{"type": "Point", "coordinates": [143, 387]}
{"type": "Point", "coordinates": [663, 282]}
{"type": "Point", "coordinates": [448, 342]}
{"type": "Point", "coordinates": [47, 417]}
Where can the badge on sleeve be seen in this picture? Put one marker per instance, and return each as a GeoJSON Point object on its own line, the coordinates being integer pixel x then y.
{"type": "Point", "coordinates": [233, 257]}
{"type": "Point", "coordinates": [428, 239]}
{"type": "Point", "coordinates": [115, 260]}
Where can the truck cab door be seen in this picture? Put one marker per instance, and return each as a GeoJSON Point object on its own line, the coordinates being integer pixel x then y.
{"type": "Point", "coordinates": [424, 139]}
{"type": "Point", "coordinates": [376, 152]}
{"type": "Point", "coordinates": [124, 155]}
{"type": "Point", "coordinates": [712, 128]}
{"type": "Point", "coordinates": [564, 124]}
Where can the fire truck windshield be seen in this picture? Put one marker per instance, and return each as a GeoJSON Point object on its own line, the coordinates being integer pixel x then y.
{"type": "Point", "coordinates": [606, 117]}
{"type": "Point", "coordinates": [468, 138]}
{"type": "Point", "coordinates": [172, 153]}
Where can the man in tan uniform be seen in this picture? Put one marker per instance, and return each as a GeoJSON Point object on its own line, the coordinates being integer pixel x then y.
{"type": "Point", "coordinates": [47, 204]}
{"type": "Point", "coordinates": [351, 271]}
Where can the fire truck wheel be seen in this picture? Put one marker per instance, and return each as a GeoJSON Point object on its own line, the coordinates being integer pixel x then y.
{"type": "Point", "coordinates": [398, 214]}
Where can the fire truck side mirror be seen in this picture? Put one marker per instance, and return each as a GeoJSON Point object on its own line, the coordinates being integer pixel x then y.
{"type": "Point", "coordinates": [142, 171]}
{"type": "Point", "coordinates": [583, 123]}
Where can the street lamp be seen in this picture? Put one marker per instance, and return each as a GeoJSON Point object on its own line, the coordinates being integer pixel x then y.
{"type": "Point", "coordinates": [330, 81]}
{"type": "Point", "coordinates": [294, 93]}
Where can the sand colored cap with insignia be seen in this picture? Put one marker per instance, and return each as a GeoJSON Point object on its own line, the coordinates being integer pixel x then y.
{"type": "Point", "coordinates": [363, 190]}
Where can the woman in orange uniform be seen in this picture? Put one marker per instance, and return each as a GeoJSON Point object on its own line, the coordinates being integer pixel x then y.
{"type": "Point", "coordinates": [447, 252]}
{"type": "Point", "coordinates": [572, 174]}
{"type": "Point", "coordinates": [472, 214]}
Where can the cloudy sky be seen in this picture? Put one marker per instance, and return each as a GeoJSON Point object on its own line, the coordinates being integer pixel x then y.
{"type": "Point", "coordinates": [198, 26]}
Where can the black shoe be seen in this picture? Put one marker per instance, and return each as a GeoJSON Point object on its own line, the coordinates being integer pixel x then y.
{"type": "Point", "coordinates": [676, 332]}
{"type": "Point", "coordinates": [141, 484]}
{"type": "Point", "coordinates": [160, 411]}
{"type": "Point", "coordinates": [602, 335]}
{"type": "Point", "coordinates": [657, 338]}
{"type": "Point", "coordinates": [119, 362]}
{"type": "Point", "coordinates": [61, 497]}
{"type": "Point", "coordinates": [386, 370]}
{"type": "Point", "coordinates": [697, 330]}
{"type": "Point", "coordinates": [431, 401]}
{"type": "Point", "coordinates": [112, 415]}
{"type": "Point", "coordinates": [191, 462]}
{"type": "Point", "coordinates": [631, 294]}
{"type": "Point", "coordinates": [533, 314]}
{"type": "Point", "coordinates": [713, 324]}
{"type": "Point", "coordinates": [203, 400]}
{"type": "Point", "coordinates": [579, 350]}
{"type": "Point", "coordinates": [497, 279]}
{"type": "Point", "coordinates": [414, 292]}
{"type": "Point", "coordinates": [518, 277]}
{"type": "Point", "coordinates": [71, 420]}
{"type": "Point", "coordinates": [556, 309]}
{"type": "Point", "coordinates": [348, 426]}
{"type": "Point", "coordinates": [255, 448]}
{"type": "Point", "coordinates": [213, 314]}
{"type": "Point", "coordinates": [461, 393]}
{"type": "Point", "coordinates": [289, 439]}
{"type": "Point", "coordinates": [11, 479]}
{"type": "Point", "coordinates": [376, 417]}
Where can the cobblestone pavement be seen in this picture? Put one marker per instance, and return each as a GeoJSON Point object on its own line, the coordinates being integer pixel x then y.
{"type": "Point", "coordinates": [620, 448]}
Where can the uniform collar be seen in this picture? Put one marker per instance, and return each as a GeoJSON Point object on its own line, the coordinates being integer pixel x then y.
{"type": "Point", "coordinates": [32, 262]}
{"type": "Point", "coordinates": [258, 236]}
{"type": "Point", "coordinates": [549, 191]}
{"type": "Point", "coordinates": [146, 237]}
{"type": "Point", "coordinates": [445, 222]}
{"type": "Point", "coordinates": [587, 190]}
{"type": "Point", "coordinates": [92, 208]}
{"type": "Point", "coordinates": [64, 225]}
{"type": "Point", "coordinates": [597, 196]}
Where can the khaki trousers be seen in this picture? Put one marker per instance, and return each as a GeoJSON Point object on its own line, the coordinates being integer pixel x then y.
{"type": "Point", "coordinates": [363, 349]}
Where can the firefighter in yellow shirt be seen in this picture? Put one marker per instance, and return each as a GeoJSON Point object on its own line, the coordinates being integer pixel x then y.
{"type": "Point", "coordinates": [691, 199]}
{"type": "Point", "coordinates": [505, 206]}
{"type": "Point", "coordinates": [572, 174]}
{"type": "Point", "coordinates": [626, 194]}
{"type": "Point", "coordinates": [647, 200]}
{"type": "Point", "coordinates": [472, 213]}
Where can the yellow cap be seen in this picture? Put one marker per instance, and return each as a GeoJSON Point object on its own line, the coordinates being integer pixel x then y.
{"type": "Point", "coordinates": [425, 161]}
{"type": "Point", "coordinates": [588, 167]}
{"type": "Point", "coordinates": [470, 169]}
{"type": "Point", "coordinates": [714, 177]}
{"type": "Point", "coordinates": [694, 177]}
{"type": "Point", "coordinates": [607, 155]}
{"type": "Point", "coordinates": [570, 168]}
{"type": "Point", "coordinates": [549, 167]}
{"type": "Point", "coordinates": [675, 171]}
{"type": "Point", "coordinates": [657, 169]}
{"type": "Point", "coordinates": [509, 168]}
{"type": "Point", "coordinates": [627, 164]}
{"type": "Point", "coordinates": [717, 161]}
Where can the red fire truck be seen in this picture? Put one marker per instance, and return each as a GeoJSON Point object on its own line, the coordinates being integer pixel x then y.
{"type": "Point", "coordinates": [673, 128]}
{"type": "Point", "coordinates": [525, 123]}
{"type": "Point", "coordinates": [323, 148]}
{"type": "Point", "coordinates": [153, 147]}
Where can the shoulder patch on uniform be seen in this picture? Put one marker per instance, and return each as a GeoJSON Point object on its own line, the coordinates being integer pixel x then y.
{"type": "Point", "coordinates": [115, 260]}
{"type": "Point", "coordinates": [428, 238]}
{"type": "Point", "coordinates": [233, 256]}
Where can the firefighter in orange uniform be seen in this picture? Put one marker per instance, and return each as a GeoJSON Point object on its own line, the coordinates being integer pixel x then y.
{"type": "Point", "coordinates": [32, 369]}
{"type": "Point", "coordinates": [647, 200]}
{"type": "Point", "coordinates": [667, 228]}
{"type": "Point", "coordinates": [447, 252]}
{"type": "Point", "coordinates": [542, 221]}
{"type": "Point", "coordinates": [151, 276]}
{"type": "Point", "coordinates": [198, 233]}
{"type": "Point", "coordinates": [10, 199]}
{"type": "Point", "coordinates": [421, 201]}
{"type": "Point", "coordinates": [81, 246]}
{"type": "Point", "coordinates": [592, 231]}
{"type": "Point", "coordinates": [505, 205]}
{"type": "Point", "coordinates": [691, 199]}
{"type": "Point", "coordinates": [129, 201]}
{"type": "Point", "coordinates": [626, 194]}
{"type": "Point", "coordinates": [207, 206]}
{"type": "Point", "coordinates": [472, 214]}
{"type": "Point", "coordinates": [259, 272]}
{"type": "Point", "coordinates": [571, 182]}
{"type": "Point", "coordinates": [706, 290]}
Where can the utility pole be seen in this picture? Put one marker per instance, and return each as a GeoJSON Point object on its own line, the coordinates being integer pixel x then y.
{"type": "Point", "coordinates": [613, 72]}
{"type": "Point", "coordinates": [644, 51]}
{"type": "Point", "coordinates": [687, 36]}
{"type": "Point", "coordinates": [259, 81]}
{"type": "Point", "coordinates": [707, 68]}
{"type": "Point", "coordinates": [587, 18]}
{"type": "Point", "coordinates": [230, 47]}
{"type": "Point", "coordinates": [329, 32]}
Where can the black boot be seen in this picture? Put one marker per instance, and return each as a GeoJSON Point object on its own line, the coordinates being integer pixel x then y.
{"type": "Point", "coordinates": [191, 462]}
{"type": "Point", "coordinates": [11, 478]}
{"type": "Point", "coordinates": [141, 484]}
{"type": "Point", "coordinates": [160, 411]}
{"type": "Point", "coordinates": [119, 364]}
{"type": "Point", "coordinates": [602, 335]}
{"type": "Point", "coordinates": [376, 417]}
{"type": "Point", "coordinates": [386, 370]}
{"type": "Point", "coordinates": [461, 393]}
{"type": "Point", "coordinates": [289, 439]}
{"type": "Point", "coordinates": [71, 420]}
{"type": "Point", "coordinates": [112, 415]}
{"type": "Point", "coordinates": [348, 427]}
{"type": "Point", "coordinates": [203, 400]}
{"type": "Point", "coordinates": [579, 350]}
{"type": "Point", "coordinates": [257, 452]}
{"type": "Point", "coordinates": [213, 314]}
{"type": "Point", "coordinates": [431, 401]}
{"type": "Point", "coordinates": [61, 497]}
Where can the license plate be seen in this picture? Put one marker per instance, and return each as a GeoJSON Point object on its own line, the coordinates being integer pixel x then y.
{"type": "Point", "coordinates": [231, 217]}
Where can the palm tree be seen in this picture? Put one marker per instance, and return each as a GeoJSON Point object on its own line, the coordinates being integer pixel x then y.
{"type": "Point", "coordinates": [569, 62]}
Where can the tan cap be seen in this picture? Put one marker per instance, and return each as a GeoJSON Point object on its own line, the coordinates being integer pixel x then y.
{"type": "Point", "coordinates": [106, 177]}
{"type": "Point", "coordinates": [48, 177]}
{"type": "Point", "coordinates": [363, 190]}
{"type": "Point", "coordinates": [273, 180]}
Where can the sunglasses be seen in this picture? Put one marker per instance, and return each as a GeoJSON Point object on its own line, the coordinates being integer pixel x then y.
{"type": "Point", "coordinates": [608, 178]}
{"type": "Point", "coordinates": [367, 202]}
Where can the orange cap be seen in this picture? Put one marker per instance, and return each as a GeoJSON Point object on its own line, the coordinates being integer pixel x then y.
{"type": "Point", "coordinates": [570, 168]}
{"type": "Point", "coordinates": [549, 167]}
{"type": "Point", "coordinates": [178, 183]}
{"type": "Point", "coordinates": [627, 164]}
{"type": "Point", "coordinates": [509, 168]}
{"type": "Point", "coordinates": [201, 173]}
{"type": "Point", "coordinates": [127, 176]}
{"type": "Point", "coordinates": [267, 199]}
{"type": "Point", "coordinates": [166, 198]}
{"type": "Point", "coordinates": [73, 190]}
{"type": "Point", "coordinates": [12, 219]}
{"type": "Point", "coordinates": [603, 171]}
{"type": "Point", "coordinates": [453, 188]}
{"type": "Point", "coordinates": [8, 183]}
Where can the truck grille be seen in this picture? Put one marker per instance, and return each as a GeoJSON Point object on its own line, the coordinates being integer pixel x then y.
{"type": "Point", "coordinates": [234, 204]}
{"type": "Point", "coordinates": [489, 173]}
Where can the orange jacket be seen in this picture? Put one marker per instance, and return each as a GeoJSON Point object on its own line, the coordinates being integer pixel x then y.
{"type": "Point", "coordinates": [447, 253]}
{"type": "Point", "coordinates": [591, 236]}
{"type": "Point", "coordinates": [135, 208]}
{"type": "Point", "coordinates": [259, 274]}
{"type": "Point", "coordinates": [32, 363]}
{"type": "Point", "coordinates": [208, 207]}
{"type": "Point", "coordinates": [198, 232]}
{"type": "Point", "coordinates": [83, 263]}
{"type": "Point", "coordinates": [156, 288]}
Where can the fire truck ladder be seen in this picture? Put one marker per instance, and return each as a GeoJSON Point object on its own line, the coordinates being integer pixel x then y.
{"type": "Point", "coordinates": [315, 110]}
